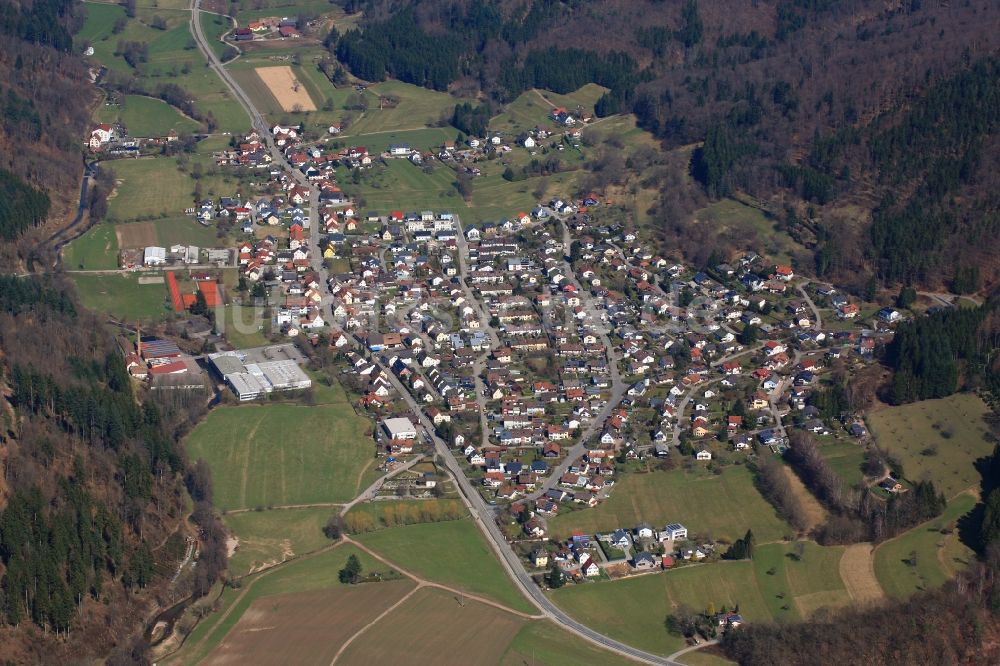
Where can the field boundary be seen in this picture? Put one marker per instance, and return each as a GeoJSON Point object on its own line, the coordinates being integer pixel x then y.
{"type": "Point", "coordinates": [428, 583]}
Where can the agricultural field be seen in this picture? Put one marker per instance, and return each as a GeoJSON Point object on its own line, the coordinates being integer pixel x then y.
{"type": "Point", "coordinates": [97, 249]}
{"type": "Point", "coordinates": [258, 91]}
{"type": "Point", "coordinates": [270, 537]}
{"type": "Point", "coordinates": [545, 644]}
{"type": "Point", "coordinates": [453, 553]}
{"type": "Point", "coordinates": [936, 440]}
{"type": "Point", "coordinates": [722, 506]}
{"type": "Point", "coordinates": [284, 85]}
{"type": "Point", "coordinates": [147, 117]}
{"type": "Point", "coordinates": [633, 610]}
{"type": "Point", "coordinates": [281, 454]}
{"type": "Point", "coordinates": [926, 556]}
{"type": "Point", "coordinates": [293, 589]}
{"type": "Point", "coordinates": [470, 632]}
{"type": "Point", "coordinates": [122, 296]}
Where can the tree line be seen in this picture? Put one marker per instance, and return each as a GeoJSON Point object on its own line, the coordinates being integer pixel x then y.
{"type": "Point", "coordinates": [930, 354]}
{"type": "Point", "coordinates": [858, 515]}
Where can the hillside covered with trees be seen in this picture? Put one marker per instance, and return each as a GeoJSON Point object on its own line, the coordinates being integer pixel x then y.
{"type": "Point", "coordinates": [809, 105]}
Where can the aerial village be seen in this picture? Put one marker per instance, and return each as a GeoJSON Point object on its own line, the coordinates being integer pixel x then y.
{"type": "Point", "coordinates": [550, 350]}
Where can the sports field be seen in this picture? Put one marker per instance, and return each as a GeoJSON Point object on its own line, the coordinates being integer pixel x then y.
{"type": "Point", "coordinates": [96, 249]}
{"type": "Point", "coordinates": [269, 537]}
{"type": "Point", "coordinates": [286, 88]}
{"type": "Point", "coordinates": [278, 455]}
{"type": "Point", "coordinates": [121, 296]}
{"type": "Point", "coordinates": [453, 553]}
{"type": "Point", "coordinates": [938, 440]}
{"type": "Point", "coordinates": [722, 506]}
{"type": "Point", "coordinates": [926, 556]}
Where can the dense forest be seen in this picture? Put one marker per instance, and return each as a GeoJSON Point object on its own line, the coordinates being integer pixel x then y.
{"type": "Point", "coordinates": [21, 206]}
{"type": "Point", "coordinates": [41, 135]}
{"type": "Point", "coordinates": [934, 356]}
{"type": "Point", "coordinates": [810, 105]}
{"type": "Point", "coordinates": [93, 482]}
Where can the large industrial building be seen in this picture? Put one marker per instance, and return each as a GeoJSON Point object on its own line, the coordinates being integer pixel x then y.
{"type": "Point", "coordinates": [250, 378]}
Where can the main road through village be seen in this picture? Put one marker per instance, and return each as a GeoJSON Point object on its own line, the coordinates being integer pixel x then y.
{"type": "Point", "coordinates": [482, 513]}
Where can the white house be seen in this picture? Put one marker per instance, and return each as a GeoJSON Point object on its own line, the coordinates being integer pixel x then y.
{"type": "Point", "coordinates": [704, 454]}
{"type": "Point", "coordinates": [528, 143]}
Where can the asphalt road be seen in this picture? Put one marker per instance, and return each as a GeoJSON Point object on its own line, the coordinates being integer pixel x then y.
{"type": "Point", "coordinates": [481, 512]}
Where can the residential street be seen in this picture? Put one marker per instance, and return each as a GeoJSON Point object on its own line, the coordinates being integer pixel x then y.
{"type": "Point", "coordinates": [483, 514]}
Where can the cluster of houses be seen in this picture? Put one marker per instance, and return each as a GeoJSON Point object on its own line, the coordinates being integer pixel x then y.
{"type": "Point", "coordinates": [114, 140]}
{"type": "Point", "coordinates": [643, 549]}
{"type": "Point", "coordinates": [271, 27]}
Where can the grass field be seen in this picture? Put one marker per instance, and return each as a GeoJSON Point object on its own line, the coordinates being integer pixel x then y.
{"type": "Point", "coordinates": [148, 117]}
{"type": "Point", "coordinates": [149, 187]}
{"type": "Point", "coordinates": [173, 58]}
{"type": "Point", "coordinates": [214, 26]}
{"type": "Point", "coordinates": [467, 633]}
{"type": "Point", "coordinates": [845, 458]}
{"type": "Point", "coordinates": [453, 553]}
{"type": "Point", "coordinates": [267, 537]}
{"type": "Point", "coordinates": [96, 249]}
{"type": "Point", "coordinates": [301, 576]}
{"type": "Point", "coordinates": [264, 455]}
{"type": "Point", "coordinates": [730, 218]}
{"type": "Point", "coordinates": [533, 108]}
{"type": "Point", "coordinates": [633, 610]}
{"type": "Point", "coordinates": [545, 644]}
{"type": "Point", "coordinates": [795, 588]}
{"type": "Point", "coordinates": [403, 185]}
{"type": "Point", "coordinates": [937, 440]}
{"type": "Point", "coordinates": [418, 108]}
{"type": "Point", "coordinates": [152, 187]}
{"type": "Point", "coordinates": [242, 326]}
{"type": "Point", "coordinates": [122, 296]}
{"type": "Point", "coordinates": [938, 555]}
{"type": "Point", "coordinates": [705, 657]}
{"type": "Point", "coordinates": [723, 506]}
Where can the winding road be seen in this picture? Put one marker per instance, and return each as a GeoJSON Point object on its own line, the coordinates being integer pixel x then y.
{"type": "Point", "coordinates": [483, 514]}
